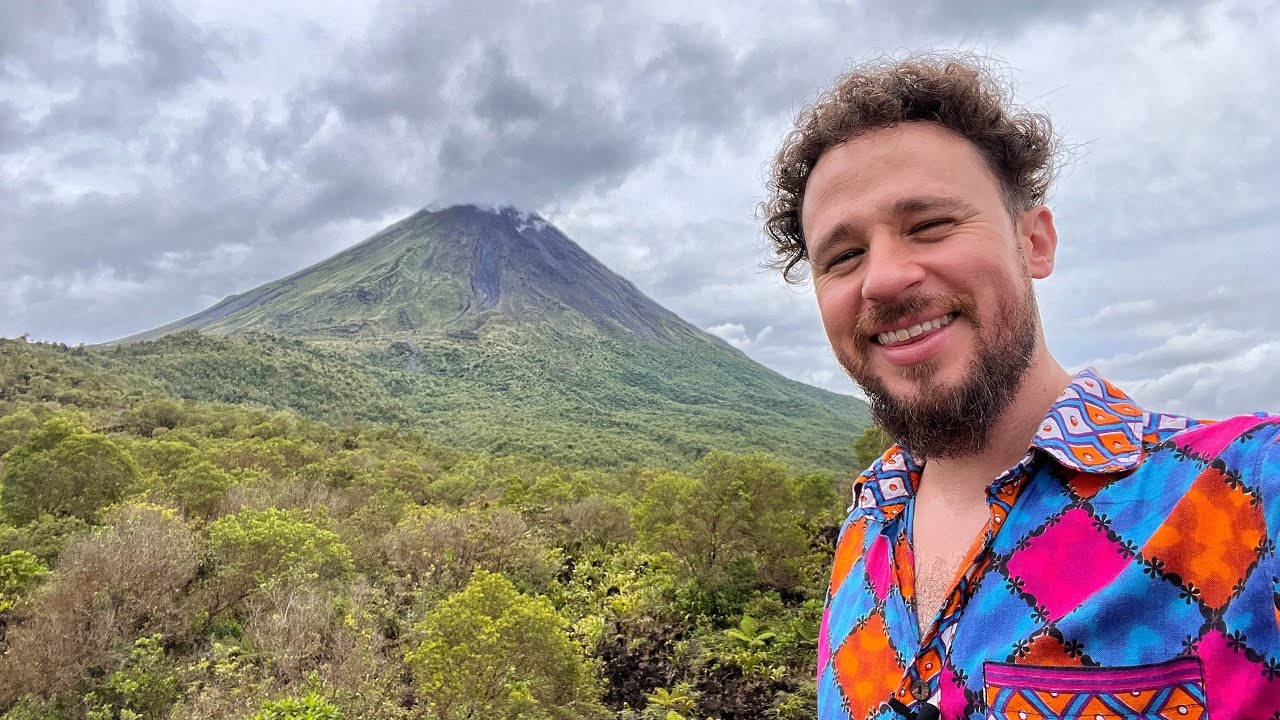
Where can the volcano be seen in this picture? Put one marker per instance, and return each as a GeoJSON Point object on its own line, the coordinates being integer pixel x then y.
{"type": "Point", "coordinates": [493, 330]}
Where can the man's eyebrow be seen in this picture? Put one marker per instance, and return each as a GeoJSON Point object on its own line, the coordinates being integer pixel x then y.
{"type": "Point", "coordinates": [922, 203]}
{"type": "Point", "coordinates": [837, 232]}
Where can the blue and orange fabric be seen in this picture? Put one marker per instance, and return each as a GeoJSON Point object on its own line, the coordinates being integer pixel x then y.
{"type": "Point", "coordinates": [1128, 570]}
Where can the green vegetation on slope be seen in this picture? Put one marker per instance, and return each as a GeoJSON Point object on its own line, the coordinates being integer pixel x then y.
{"type": "Point", "coordinates": [249, 563]}
{"type": "Point", "coordinates": [581, 399]}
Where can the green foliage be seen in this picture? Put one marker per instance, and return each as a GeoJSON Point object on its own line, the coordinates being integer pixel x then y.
{"type": "Point", "coordinates": [575, 395]}
{"type": "Point", "coordinates": [253, 548]}
{"type": "Point", "coordinates": [64, 468]}
{"type": "Point", "coordinates": [16, 427]}
{"type": "Point", "coordinates": [749, 634]}
{"type": "Point", "coordinates": [197, 488]}
{"type": "Point", "coordinates": [869, 446]}
{"type": "Point", "coordinates": [736, 516]}
{"type": "Point", "coordinates": [308, 707]}
{"type": "Point", "coordinates": [141, 690]}
{"type": "Point", "coordinates": [288, 558]}
{"type": "Point", "coordinates": [678, 699]}
{"type": "Point", "coordinates": [19, 572]}
{"type": "Point", "coordinates": [31, 707]}
{"type": "Point", "coordinates": [44, 537]}
{"type": "Point", "coordinates": [490, 651]}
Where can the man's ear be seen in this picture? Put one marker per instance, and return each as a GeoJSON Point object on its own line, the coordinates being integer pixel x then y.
{"type": "Point", "coordinates": [1039, 240]}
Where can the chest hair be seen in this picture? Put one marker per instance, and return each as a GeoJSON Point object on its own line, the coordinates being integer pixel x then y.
{"type": "Point", "coordinates": [934, 572]}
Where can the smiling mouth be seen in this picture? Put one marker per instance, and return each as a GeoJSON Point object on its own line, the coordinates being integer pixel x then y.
{"type": "Point", "coordinates": [906, 335]}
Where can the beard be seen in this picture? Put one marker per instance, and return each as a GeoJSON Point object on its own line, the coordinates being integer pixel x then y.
{"type": "Point", "coordinates": [956, 420]}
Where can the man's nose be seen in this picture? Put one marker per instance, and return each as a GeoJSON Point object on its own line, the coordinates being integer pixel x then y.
{"type": "Point", "coordinates": [892, 269]}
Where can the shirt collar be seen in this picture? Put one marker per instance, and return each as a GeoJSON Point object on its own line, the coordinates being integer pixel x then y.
{"type": "Point", "coordinates": [1092, 427]}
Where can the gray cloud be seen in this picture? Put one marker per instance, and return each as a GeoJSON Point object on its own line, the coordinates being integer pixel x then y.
{"type": "Point", "coordinates": [27, 28]}
{"type": "Point", "coordinates": [156, 159]}
{"type": "Point", "coordinates": [1002, 16]}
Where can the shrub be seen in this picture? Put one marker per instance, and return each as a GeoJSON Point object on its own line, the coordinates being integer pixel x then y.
{"type": "Point", "coordinates": [109, 586]}
{"type": "Point", "coordinates": [443, 547]}
{"type": "Point", "coordinates": [141, 690]}
{"type": "Point", "coordinates": [307, 707]}
{"type": "Point", "coordinates": [490, 651]}
{"type": "Point", "coordinates": [253, 548]}
{"type": "Point", "coordinates": [19, 572]}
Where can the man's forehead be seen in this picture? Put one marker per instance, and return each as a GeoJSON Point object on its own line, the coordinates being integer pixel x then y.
{"type": "Point", "coordinates": [891, 171]}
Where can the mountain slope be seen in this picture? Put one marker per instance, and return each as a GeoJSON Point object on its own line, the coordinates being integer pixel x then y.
{"type": "Point", "coordinates": [444, 271]}
{"type": "Point", "coordinates": [494, 331]}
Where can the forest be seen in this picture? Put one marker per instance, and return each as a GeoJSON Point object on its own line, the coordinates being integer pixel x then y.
{"type": "Point", "coordinates": [172, 558]}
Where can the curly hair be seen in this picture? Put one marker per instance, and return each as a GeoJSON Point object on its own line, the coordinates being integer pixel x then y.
{"type": "Point", "coordinates": [957, 92]}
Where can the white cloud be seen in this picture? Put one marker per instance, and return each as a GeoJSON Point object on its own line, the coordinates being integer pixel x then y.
{"type": "Point", "coordinates": [736, 335]}
{"type": "Point", "coordinates": [1243, 379]}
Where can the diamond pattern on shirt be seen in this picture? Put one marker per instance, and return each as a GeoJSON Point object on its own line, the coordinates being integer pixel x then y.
{"type": "Point", "coordinates": [1038, 564]}
{"type": "Point", "coordinates": [1230, 671]}
{"type": "Point", "coordinates": [864, 664]}
{"type": "Point", "coordinates": [1122, 539]}
{"type": "Point", "coordinates": [1211, 538]}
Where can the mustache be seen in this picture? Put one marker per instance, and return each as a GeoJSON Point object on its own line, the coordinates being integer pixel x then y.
{"type": "Point", "coordinates": [881, 314]}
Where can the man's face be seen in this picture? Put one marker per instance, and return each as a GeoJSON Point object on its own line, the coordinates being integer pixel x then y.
{"type": "Point", "coordinates": [922, 281]}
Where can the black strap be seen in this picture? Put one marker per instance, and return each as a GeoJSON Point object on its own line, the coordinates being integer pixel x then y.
{"type": "Point", "coordinates": [923, 711]}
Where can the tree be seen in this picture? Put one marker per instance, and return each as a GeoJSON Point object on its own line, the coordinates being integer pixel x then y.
{"type": "Point", "coordinates": [734, 511]}
{"type": "Point", "coordinates": [490, 651]}
{"type": "Point", "coordinates": [198, 488]}
{"type": "Point", "coordinates": [16, 427]}
{"type": "Point", "coordinates": [869, 446]}
{"type": "Point", "coordinates": [64, 468]}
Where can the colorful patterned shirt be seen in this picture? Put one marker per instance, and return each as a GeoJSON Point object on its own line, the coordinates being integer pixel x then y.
{"type": "Point", "coordinates": [1128, 570]}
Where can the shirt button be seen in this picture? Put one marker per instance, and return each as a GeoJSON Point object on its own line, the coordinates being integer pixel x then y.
{"type": "Point", "coordinates": [920, 690]}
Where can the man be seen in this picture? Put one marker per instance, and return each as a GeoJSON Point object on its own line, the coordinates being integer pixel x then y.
{"type": "Point", "coordinates": [1035, 545]}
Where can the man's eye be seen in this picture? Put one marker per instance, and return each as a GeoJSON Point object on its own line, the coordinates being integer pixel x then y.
{"type": "Point", "coordinates": [931, 225]}
{"type": "Point", "coordinates": [845, 257]}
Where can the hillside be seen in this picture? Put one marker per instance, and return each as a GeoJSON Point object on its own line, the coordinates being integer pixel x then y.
{"type": "Point", "coordinates": [493, 331]}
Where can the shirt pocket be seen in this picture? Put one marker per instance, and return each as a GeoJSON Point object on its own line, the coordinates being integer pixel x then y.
{"type": "Point", "coordinates": [1172, 689]}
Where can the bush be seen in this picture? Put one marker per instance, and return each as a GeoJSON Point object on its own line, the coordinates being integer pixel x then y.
{"type": "Point", "coordinates": [19, 572]}
{"type": "Point", "coordinates": [45, 537]}
{"type": "Point", "coordinates": [253, 548]}
{"type": "Point", "coordinates": [307, 707]}
{"type": "Point", "coordinates": [490, 651]}
{"type": "Point", "coordinates": [110, 586]}
{"type": "Point", "coordinates": [141, 690]}
{"type": "Point", "coordinates": [737, 519]}
{"type": "Point", "coordinates": [443, 547]}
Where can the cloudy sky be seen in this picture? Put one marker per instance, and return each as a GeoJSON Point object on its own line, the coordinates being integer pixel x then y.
{"type": "Point", "coordinates": [155, 158]}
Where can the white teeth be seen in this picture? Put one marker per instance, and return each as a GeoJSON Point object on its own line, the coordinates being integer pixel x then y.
{"type": "Point", "coordinates": [896, 336]}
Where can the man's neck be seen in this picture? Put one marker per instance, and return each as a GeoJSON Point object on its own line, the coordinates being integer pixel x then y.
{"type": "Point", "coordinates": [1010, 436]}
